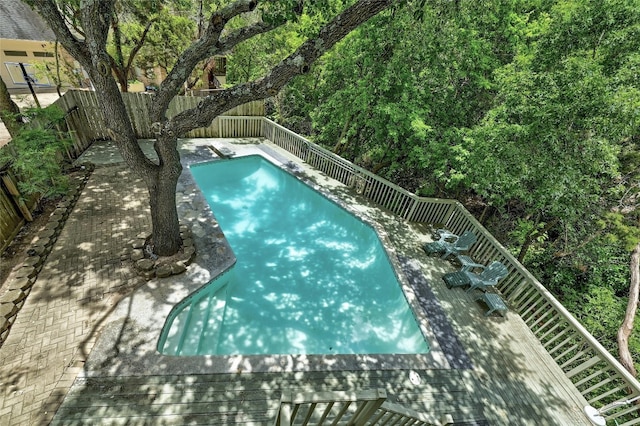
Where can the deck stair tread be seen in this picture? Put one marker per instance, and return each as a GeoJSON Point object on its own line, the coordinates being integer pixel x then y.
{"type": "Point", "coordinates": [253, 396]}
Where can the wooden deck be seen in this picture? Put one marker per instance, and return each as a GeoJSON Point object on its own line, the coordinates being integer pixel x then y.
{"type": "Point", "coordinates": [252, 399]}
{"type": "Point", "coordinates": [512, 380]}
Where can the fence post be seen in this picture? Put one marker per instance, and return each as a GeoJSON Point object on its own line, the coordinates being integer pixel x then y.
{"type": "Point", "coordinates": [12, 187]}
{"type": "Point", "coordinates": [368, 408]}
{"type": "Point", "coordinates": [283, 418]}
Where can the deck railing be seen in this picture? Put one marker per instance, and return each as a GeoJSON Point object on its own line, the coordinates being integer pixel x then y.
{"type": "Point", "coordinates": [589, 366]}
{"type": "Point", "coordinates": [366, 407]}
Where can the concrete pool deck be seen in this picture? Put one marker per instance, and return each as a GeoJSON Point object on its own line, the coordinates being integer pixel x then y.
{"type": "Point", "coordinates": [82, 332]}
{"type": "Point", "coordinates": [128, 341]}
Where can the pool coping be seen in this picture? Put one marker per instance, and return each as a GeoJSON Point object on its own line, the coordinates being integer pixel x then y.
{"type": "Point", "coordinates": [127, 343]}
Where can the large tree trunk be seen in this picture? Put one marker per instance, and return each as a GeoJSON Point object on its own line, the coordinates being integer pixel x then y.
{"type": "Point", "coordinates": [9, 111]}
{"type": "Point", "coordinates": [162, 196]}
{"type": "Point", "coordinates": [632, 305]}
{"type": "Point", "coordinates": [161, 179]}
{"type": "Point", "coordinates": [164, 215]}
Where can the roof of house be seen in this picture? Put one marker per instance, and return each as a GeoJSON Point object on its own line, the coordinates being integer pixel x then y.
{"type": "Point", "coordinates": [19, 21]}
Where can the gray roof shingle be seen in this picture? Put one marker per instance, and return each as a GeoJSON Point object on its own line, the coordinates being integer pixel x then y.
{"type": "Point", "coordinates": [19, 21]}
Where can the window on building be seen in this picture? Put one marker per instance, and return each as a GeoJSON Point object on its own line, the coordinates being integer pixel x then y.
{"type": "Point", "coordinates": [220, 65]}
{"type": "Point", "coordinates": [15, 53]}
{"type": "Point", "coordinates": [43, 54]}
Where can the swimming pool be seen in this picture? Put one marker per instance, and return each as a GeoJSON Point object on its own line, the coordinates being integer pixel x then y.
{"type": "Point", "coordinates": [310, 277]}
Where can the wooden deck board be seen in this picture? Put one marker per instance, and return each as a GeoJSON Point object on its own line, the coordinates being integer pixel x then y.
{"type": "Point", "coordinates": [511, 384]}
{"type": "Point", "coordinates": [254, 397]}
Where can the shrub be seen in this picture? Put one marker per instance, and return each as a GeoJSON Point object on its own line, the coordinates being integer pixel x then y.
{"type": "Point", "coordinates": [36, 153]}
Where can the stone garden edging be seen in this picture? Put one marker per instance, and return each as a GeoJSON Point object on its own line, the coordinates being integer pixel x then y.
{"type": "Point", "coordinates": [24, 276]}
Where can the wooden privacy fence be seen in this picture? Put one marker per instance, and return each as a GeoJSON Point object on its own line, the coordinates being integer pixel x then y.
{"type": "Point", "coordinates": [11, 216]}
{"type": "Point", "coordinates": [15, 209]}
{"type": "Point", "coordinates": [367, 407]}
{"type": "Point", "coordinates": [138, 105]}
{"type": "Point", "coordinates": [84, 123]}
{"type": "Point", "coordinates": [591, 368]}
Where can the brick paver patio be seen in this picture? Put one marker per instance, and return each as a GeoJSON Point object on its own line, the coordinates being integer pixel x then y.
{"type": "Point", "coordinates": [57, 326]}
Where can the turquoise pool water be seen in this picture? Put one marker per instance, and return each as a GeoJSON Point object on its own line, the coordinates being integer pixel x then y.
{"type": "Point", "coordinates": [310, 277]}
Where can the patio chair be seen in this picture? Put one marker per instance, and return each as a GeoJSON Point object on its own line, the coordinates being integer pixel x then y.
{"type": "Point", "coordinates": [441, 237]}
{"type": "Point", "coordinates": [459, 245]}
{"type": "Point", "coordinates": [489, 277]}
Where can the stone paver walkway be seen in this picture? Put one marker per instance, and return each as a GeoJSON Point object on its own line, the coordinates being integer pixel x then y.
{"type": "Point", "coordinates": [80, 283]}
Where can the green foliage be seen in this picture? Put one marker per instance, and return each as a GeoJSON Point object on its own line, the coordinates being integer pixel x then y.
{"type": "Point", "coordinates": [530, 107]}
{"type": "Point", "coordinates": [593, 284]}
{"type": "Point", "coordinates": [147, 34]}
{"type": "Point", "coordinates": [168, 37]}
{"type": "Point", "coordinates": [601, 312]}
{"type": "Point", "coordinates": [36, 154]}
{"type": "Point", "coordinates": [562, 129]}
{"type": "Point", "coordinates": [395, 95]}
{"type": "Point", "coordinates": [312, 14]}
{"type": "Point", "coordinates": [244, 64]}
{"type": "Point", "coordinates": [293, 106]}
{"type": "Point", "coordinates": [621, 231]}
{"type": "Point", "coordinates": [254, 57]}
{"type": "Point", "coordinates": [523, 228]}
{"type": "Point", "coordinates": [546, 125]}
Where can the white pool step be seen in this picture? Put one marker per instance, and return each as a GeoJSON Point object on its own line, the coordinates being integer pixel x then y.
{"type": "Point", "coordinates": [199, 322]}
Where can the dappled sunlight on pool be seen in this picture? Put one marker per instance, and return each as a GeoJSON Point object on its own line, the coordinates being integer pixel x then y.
{"type": "Point", "coordinates": [310, 277]}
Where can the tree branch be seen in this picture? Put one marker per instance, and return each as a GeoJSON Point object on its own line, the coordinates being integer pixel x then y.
{"type": "Point", "coordinates": [117, 40]}
{"type": "Point", "coordinates": [632, 305]}
{"type": "Point", "coordinates": [297, 63]}
{"type": "Point", "coordinates": [75, 47]}
{"type": "Point", "coordinates": [140, 43]}
{"type": "Point", "coordinates": [116, 69]}
{"type": "Point", "coordinates": [226, 43]}
{"type": "Point", "coordinates": [198, 51]}
{"type": "Point", "coordinates": [9, 111]}
{"type": "Point", "coordinates": [100, 14]}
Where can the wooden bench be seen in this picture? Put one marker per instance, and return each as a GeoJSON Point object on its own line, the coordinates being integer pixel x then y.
{"type": "Point", "coordinates": [494, 302]}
